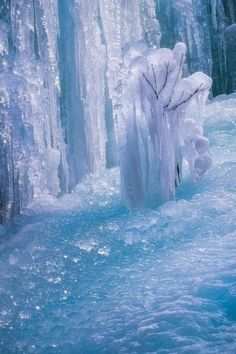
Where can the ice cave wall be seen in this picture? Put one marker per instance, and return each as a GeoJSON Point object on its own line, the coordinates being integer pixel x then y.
{"type": "Point", "coordinates": [61, 81]}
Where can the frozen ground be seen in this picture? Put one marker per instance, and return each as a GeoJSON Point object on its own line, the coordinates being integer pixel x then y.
{"type": "Point", "coordinates": [84, 275]}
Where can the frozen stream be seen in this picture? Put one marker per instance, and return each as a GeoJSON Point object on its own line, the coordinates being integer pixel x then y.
{"type": "Point", "coordinates": [83, 275]}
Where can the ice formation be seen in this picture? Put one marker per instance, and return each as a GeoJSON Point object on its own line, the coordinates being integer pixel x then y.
{"type": "Point", "coordinates": [161, 123]}
{"type": "Point", "coordinates": [60, 81]}
{"type": "Point", "coordinates": [59, 68]}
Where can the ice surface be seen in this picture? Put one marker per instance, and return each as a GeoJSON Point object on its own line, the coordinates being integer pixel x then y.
{"type": "Point", "coordinates": [155, 129]}
{"type": "Point", "coordinates": [82, 274]}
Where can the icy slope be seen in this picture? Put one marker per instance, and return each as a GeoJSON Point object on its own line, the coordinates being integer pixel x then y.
{"type": "Point", "coordinates": [87, 276]}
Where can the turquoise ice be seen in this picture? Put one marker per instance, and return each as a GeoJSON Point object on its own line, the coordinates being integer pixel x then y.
{"type": "Point", "coordinates": [84, 275]}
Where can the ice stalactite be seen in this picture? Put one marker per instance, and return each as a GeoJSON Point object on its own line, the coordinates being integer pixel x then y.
{"type": "Point", "coordinates": [161, 124]}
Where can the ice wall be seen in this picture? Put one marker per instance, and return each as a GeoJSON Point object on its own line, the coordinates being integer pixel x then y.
{"type": "Point", "coordinates": [201, 26]}
{"type": "Point", "coordinates": [32, 150]}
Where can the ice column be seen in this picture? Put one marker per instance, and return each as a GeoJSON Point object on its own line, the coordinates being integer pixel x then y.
{"type": "Point", "coordinates": [161, 124]}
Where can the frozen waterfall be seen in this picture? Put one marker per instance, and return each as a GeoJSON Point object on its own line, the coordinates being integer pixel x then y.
{"type": "Point", "coordinates": [61, 81]}
{"type": "Point", "coordinates": [162, 114]}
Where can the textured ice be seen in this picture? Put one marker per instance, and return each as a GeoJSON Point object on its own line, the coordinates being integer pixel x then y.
{"type": "Point", "coordinates": [156, 133]}
{"type": "Point", "coordinates": [32, 149]}
{"type": "Point", "coordinates": [84, 275]}
{"type": "Point", "coordinates": [60, 76]}
{"type": "Point", "coordinates": [59, 71]}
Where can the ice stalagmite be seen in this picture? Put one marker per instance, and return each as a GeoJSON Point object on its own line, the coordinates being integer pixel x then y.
{"type": "Point", "coordinates": [161, 124]}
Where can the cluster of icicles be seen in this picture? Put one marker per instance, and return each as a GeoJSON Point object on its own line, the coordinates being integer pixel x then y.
{"type": "Point", "coordinates": [161, 125]}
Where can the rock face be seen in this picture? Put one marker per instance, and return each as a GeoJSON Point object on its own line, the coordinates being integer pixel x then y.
{"type": "Point", "coordinates": [60, 92]}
